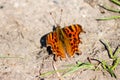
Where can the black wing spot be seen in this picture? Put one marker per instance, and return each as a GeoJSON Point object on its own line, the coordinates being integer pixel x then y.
{"type": "Point", "coordinates": [70, 35]}
{"type": "Point", "coordinates": [73, 35]}
{"type": "Point", "coordinates": [65, 30]}
{"type": "Point", "coordinates": [55, 46]}
{"type": "Point", "coordinates": [71, 43]}
{"type": "Point", "coordinates": [55, 40]}
{"type": "Point", "coordinates": [70, 39]}
{"type": "Point", "coordinates": [71, 28]}
{"type": "Point", "coordinates": [75, 39]}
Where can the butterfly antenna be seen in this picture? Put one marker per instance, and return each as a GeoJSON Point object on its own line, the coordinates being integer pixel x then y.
{"type": "Point", "coordinates": [61, 16]}
{"type": "Point", "coordinates": [53, 18]}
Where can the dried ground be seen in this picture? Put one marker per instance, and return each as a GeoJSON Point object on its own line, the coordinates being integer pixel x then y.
{"type": "Point", "coordinates": [24, 22]}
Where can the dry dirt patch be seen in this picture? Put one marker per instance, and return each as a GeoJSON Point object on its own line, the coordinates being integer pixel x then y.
{"type": "Point", "coordinates": [24, 22]}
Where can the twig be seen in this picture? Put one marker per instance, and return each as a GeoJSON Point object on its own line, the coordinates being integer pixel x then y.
{"type": "Point", "coordinates": [55, 68]}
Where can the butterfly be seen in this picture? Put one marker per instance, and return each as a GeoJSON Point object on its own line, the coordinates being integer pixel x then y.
{"type": "Point", "coordinates": [64, 41]}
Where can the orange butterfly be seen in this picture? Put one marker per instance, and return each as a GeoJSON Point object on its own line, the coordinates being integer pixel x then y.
{"type": "Point", "coordinates": [64, 40]}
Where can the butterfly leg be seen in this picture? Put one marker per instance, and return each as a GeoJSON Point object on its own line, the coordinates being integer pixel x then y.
{"type": "Point", "coordinates": [56, 56]}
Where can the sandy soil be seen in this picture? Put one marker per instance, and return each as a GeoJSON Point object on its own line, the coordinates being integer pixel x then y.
{"type": "Point", "coordinates": [24, 22]}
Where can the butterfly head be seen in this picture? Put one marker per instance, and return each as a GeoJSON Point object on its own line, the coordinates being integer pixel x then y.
{"type": "Point", "coordinates": [56, 27]}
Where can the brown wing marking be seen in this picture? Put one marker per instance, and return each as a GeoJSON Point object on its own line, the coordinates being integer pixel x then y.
{"type": "Point", "coordinates": [56, 44]}
{"type": "Point", "coordinates": [72, 32]}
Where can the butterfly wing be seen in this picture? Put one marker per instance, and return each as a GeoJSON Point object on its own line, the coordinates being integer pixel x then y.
{"type": "Point", "coordinates": [56, 45]}
{"type": "Point", "coordinates": [72, 38]}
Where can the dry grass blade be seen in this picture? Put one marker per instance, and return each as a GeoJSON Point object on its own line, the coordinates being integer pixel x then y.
{"type": "Point", "coordinates": [55, 68]}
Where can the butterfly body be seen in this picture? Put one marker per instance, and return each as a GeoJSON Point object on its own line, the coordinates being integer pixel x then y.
{"type": "Point", "coordinates": [64, 41]}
